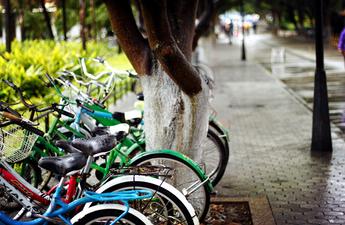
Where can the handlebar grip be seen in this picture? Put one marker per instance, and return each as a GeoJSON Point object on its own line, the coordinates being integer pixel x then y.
{"type": "Point", "coordinates": [32, 129]}
{"type": "Point", "coordinates": [87, 109]}
{"type": "Point", "coordinates": [10, 116]}
{"type": "Point", "coordinates": [20, 122]}
{"type": "Point", "coordinates": [65, 113]}
{"type": "Point", "coordinates": [6, 108]}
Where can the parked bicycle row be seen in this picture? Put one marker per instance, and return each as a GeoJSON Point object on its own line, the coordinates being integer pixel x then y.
{"type": "Point", "coordinates": [91, 167]}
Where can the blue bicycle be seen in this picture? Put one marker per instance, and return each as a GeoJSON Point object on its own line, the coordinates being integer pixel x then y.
{"type": "Point", "coordinates": [58, 212]}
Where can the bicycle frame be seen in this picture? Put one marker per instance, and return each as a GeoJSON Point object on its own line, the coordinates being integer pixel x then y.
{"type": "Point", "coordinates": [56, 201]}
{"type": "Point", "coordinates": [19, 188]}
{"type": "Point", "coordinates": [117, 152]}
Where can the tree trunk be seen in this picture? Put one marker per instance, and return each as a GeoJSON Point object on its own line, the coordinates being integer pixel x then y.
{"type": "Point", "coordinates": [82, 15]}
{"type": "Point", "coordinates": [47, 20]}
{"type": "Point", "coordinates": [174, 120]}
{"type": "Point", "coordinates": [291, 15]}
{"type": "Point", "coordinates": [9, 25]}
{"type": "Point", "coordinates": [21, 22]}
{"type": "Point", "coordinates": [93, 29]}
{"type": "Point", "coordinates": [301, 17]}
{"type": "Point", "coordinates": [275, 22]}
{"type": "Point", "coordinates": [64, 19]}
{"type": "Point", "coordinates": [176, 95]}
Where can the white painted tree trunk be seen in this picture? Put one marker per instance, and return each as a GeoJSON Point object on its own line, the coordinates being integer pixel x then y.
{"type": "Point", "coordinates": [173, 120]}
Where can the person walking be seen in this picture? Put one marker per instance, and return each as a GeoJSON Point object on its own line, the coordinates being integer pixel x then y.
{"type": "Point", "coordinates": [341, 44]}
{"type": "Point", "coordinates": [230, 31]}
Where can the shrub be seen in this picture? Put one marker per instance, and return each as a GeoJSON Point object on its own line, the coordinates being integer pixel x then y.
{"type": "Point", "coordinates": [30, 60]}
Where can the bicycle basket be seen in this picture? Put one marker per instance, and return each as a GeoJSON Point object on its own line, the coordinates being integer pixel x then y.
{"type": "Point", "coordinates": [16, 143]}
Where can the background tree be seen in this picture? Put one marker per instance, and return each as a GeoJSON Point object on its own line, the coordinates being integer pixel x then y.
{"type": "Point", "coordinates": [176, 94]}
{"type": "Point", "coordinates": [82, 18]}
{"type": "Point", "coordinates": [47, 19]}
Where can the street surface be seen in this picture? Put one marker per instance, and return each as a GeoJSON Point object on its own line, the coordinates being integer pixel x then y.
{"type": "Point", "coordinates": [270, 128]}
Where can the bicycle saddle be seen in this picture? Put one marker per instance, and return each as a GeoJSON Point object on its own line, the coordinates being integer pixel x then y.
{"type": "Point", "coordinates": [66, 146]}
{"type": "Point", "coordinates": [140, 96]}
{"type": "Point", "coordinates": [133, 118]}
{"type": "Point", "coordinates": [98, 144]}
{"type": "Point", "coordinates": [62, 165]}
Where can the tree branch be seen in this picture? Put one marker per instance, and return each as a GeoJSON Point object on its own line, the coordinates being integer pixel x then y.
{"type": "Point", "coordinates": [181, 17]}
{"type": "Point", "coordinates": [204, 21]}
{"type": "Point", "coordinates": [166, 49]}
{"type": "Point", "coordinates": [129, 37]}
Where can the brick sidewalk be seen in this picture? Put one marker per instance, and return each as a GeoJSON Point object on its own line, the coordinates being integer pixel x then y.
{"type": "Point", "coordinates": [270, 142]}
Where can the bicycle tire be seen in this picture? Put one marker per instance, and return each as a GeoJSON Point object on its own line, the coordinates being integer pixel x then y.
{"type": "Point", "coordinates": [217, 171]}
{"type": "Point", "coordinates": [200, 200]}
{"type": "Point", "coordinates": [214, 126]}
{"type": "Point", "coordinates": [108, 212]}
{"type": "Point", "coordinates": [161, 190]}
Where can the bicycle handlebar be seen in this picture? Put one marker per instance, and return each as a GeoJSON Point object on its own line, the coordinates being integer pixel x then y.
{"type": "Point", "coordinates": [113, 71]}
{"type": "Point", "coordinates": [31, 106]}
{"type": "Point", "coordinates": [54, 108]}
{"type": "Point", "coordinates": [87, 84]}
{"type": "Point", "coordinates": [79, 104]}
{"type": "Point", "coordinates": [26, 124]}
{"type": "Point", "coordinates": [20, 92]}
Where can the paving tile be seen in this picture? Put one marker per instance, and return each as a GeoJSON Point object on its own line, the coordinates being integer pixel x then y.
{"type": "Point", "coordinates": [270, 142]}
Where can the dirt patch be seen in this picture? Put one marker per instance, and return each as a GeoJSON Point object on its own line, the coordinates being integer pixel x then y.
{"type": "Point", "coordinates": [240, 211]}
{"type": "Point", "coordinates": [231, 213]}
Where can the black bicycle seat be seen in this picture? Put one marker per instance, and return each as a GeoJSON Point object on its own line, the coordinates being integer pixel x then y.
{"type": "Point", "coordinates": [98, 131]}
{"type": "Point", "coordinates": [95, 145]}
{"type": "Point", "coordinates": [66, 146]}
{"type": "Point", "coordinates": [120, 116]}
{"type": "Point", "coordinates": [128, 117]}
{"type": "Point", "coordinates": [62, 165]}
{"type": "Point", "coordinates": [134, 122]}
{"type": "Point", "coordinates": [140, 97]}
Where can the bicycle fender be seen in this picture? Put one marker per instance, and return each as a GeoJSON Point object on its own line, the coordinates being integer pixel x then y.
{"type": "Point", "coordinates": [84, 212]}
{"type": "Point", "coordinates": [176, 154]}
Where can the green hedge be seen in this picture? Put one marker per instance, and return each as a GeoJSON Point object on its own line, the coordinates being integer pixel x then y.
{"type": "Point", "coordinates": [30, 60]}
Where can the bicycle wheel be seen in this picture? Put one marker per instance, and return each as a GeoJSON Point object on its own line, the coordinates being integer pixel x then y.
{"type": "Point", "coordinates": [106, 213]}
{"type": "Point", "coordinates": [215, 156]}
{"type": "Point", "coordinates": [186, 175]}
{"type": "Point", "coordinates": [167, 206]}
{"type": "Point", "coordinates": [222, 134]}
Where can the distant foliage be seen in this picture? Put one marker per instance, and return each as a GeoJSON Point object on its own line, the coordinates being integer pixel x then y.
{"type": "Point", "coordinates": [30, 60]}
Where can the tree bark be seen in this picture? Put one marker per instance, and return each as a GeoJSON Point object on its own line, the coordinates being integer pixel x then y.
{"type": "Point", "coordinates": [204, 21]}
{"type": "Point", "coordinates": [176, 95]}
{"type": "Point", "coordinates": [165, 48]}
{"type": "Point", "coordinates": [93, 16]}
{"type": "Point", "coordinates": [64, 19]}
{"type": "Point", "coordinates": [82, 15]}
{"type": "Point", "coordinates": [291, 15]}
{"type": "Point", "coordinates": [21, 22]}
{"type": "Point", "coordinates": [8, 24]}
{"type": "Point", "coordinates": [129, 36]}
{"type": "Point", "coordinates": [47, 20]}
